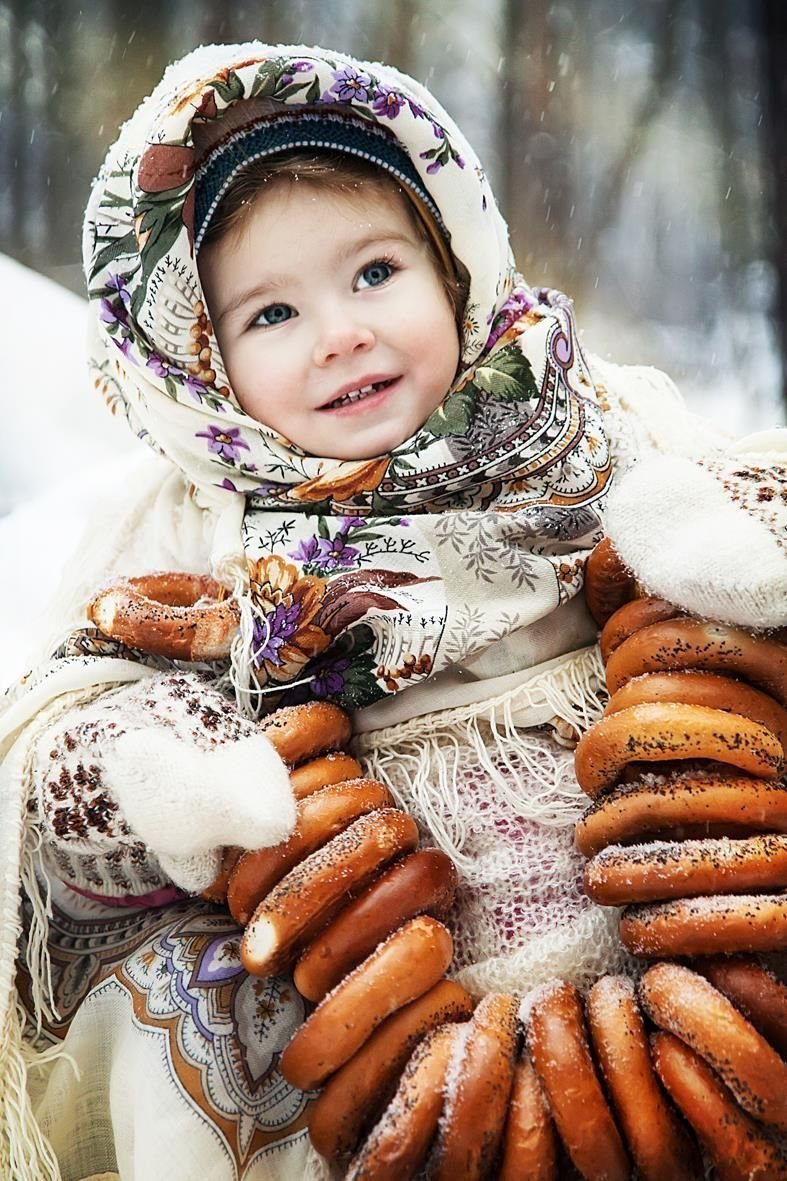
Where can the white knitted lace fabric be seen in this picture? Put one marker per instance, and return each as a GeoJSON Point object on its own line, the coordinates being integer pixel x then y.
{"type": "Point", "coordinates": [503, 806]}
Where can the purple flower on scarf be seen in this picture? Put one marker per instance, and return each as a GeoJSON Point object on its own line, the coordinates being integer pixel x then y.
{"type": "Point", "coordinates": [300, 67]}
{"type": "Point", "coordinates": [110, 314]}
{"type": "Point", "coordinates": [329, 681]}
{"type": "Point", "coordinates": [327, 553]}
{"type": "Point", "coordinates": [123, 346]}
{"type": "Point", "coordinates": [388, 102]}
{"type": "Point", "coordinates": [273, 631]}
{"type": "Point", "coordinates": [161, 366]}
{"type": "Point", "coordinates": [519, 302]}
{"type": "Point", "coordinates": [118, 283]}
{"type": "Point", "coordinates": [352, 84]}
{"type": "Point", "coordinates": [226, 444]}
{"type": "Point", "coordinates": [197, 389]}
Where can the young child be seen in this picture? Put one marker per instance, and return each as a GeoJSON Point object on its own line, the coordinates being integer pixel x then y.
{"type": "Point", "coordinates": [396, 456]}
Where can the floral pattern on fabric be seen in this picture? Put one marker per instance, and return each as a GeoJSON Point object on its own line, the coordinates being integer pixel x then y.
{"type": "Point", "coordinates": [353, 565]}
{"type": "Point", "coordinates": [220, 1030]}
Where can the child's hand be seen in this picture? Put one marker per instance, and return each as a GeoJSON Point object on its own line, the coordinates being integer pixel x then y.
{"type": "Point", "coordinates": [166, 767]}
{"type": "Point", "coordinates": [709, 535]}
{"type": "Point", "coordinates": [186, 802]}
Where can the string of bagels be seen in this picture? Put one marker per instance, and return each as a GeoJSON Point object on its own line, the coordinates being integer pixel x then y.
{"type": "Point", "coordinates": [686, 831]}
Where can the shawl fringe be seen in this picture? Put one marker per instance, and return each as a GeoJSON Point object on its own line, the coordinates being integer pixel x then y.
{"type": "Point", "coordinates": [25, 1153]}
{"type": "Point", "coordinates": [421, 760]}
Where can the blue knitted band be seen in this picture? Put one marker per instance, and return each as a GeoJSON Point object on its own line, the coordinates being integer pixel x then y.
{"type": "Point", "coordinates": [305, 129]}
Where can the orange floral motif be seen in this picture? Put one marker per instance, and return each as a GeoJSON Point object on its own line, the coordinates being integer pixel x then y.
{"type": "Point", "coordinates": [285, 638]}
{"type": "Point", "coordinates": [221, 76]}
{"type": "Point", "coordinates": [342, 482]}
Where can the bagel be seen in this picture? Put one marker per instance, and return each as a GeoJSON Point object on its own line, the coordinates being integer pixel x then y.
{"type": "Point", "coordinates": [476, 1101]}
{"type": "Point", "coordinates": [608, 584]}
{"type": "Point", "coordinates": [694, 799]}
{"type": "Point", "coordinates": [684, 1003]}
{"type": "Point", "coordinates": [356, 1094]}
{"type": "Point", "coordinates": [558, 1045]}
{"type": "Point", "coordinates": [319, 817]}
{"type": "Point", "coordinates": [308, 897]}
{"type": "Point", "coordinates": [401, 970]}
{"type": "Point", "coordinates": [423, 883]}
{"type": "Point", "coordinates": [408, 964]}
{"type": "Point", "coordinates": [621, 874]}
{"type": "Point", "coordinates": [630, 618]}
{"type": "Point", "coordinates": [398, 1145]}
{"type": "Point", "coordinates": [666, 731]}
{"type": "Point", "coordinates": [681, 644]}
{"type": "Point", "coordinates": [177, 615]}
{"type": "Point", "coordinates": [698, 688]}
{"type": "Point", "coordinates": [755, 991]}
{"type": "Point", "coordinates": [656, 1139]}
{"type": "Point", "coordinates": [706, 926]}
{"type": "Point", "coordinates": [735, 1144]}
{"type": "Point", "coordinates": [336, 767]}
{"type": "Point", "coordinates": [301, 732]}
{"type": "Point", "coordinates": [530, 1144]}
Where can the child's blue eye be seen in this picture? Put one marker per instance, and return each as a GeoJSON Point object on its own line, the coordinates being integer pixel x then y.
{"type": "Point", "coordinates": [375, 274]}
{"type": "Point", "coordinates": [275, 313]}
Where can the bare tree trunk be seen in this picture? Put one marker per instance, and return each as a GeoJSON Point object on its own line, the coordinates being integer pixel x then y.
{"type": "Point", "coordinates": [610, 192]}
{"type": "Point", "coordinates": [774, 21]}
{"type": "Point", "coordinates": [537, 181]}
{"type": "Point", "coordinates": [395, 33]}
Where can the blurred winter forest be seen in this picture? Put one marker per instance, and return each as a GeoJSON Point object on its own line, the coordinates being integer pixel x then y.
{"type": "Point", "coordinates": [638, 149]}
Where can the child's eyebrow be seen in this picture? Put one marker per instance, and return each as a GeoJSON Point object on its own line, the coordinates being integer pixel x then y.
{"type": "Point", "coordinates": [375, 238]}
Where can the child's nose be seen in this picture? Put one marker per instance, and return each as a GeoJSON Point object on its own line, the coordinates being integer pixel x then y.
{"type": "Point", "coordinates": [341, 339]}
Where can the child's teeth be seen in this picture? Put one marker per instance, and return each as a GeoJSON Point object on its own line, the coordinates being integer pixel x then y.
{"type": "Point", "coordinates": [359, 393]}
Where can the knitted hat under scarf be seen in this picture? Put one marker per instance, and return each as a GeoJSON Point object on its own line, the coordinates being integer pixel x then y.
{"type": "Point", "coordinates": [357, 577]}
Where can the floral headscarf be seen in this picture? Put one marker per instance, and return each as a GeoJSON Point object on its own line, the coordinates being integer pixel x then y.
{"type": "Point", "coordinates": [363, 576]}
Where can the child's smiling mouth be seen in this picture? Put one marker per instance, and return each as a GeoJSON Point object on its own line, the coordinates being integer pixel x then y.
{"type": "Point", "coordinates": [368, 394]}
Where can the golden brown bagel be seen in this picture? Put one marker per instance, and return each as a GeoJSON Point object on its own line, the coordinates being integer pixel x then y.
{"type": "Point", "coordinates": [630, 618]}
{"type": "Point", "coordinates": [735, 1144]}
{"type": "Point", "coordinates": [706, 926]}
{"type": "Point", "coordinates": [355, 1095]}
{"type": "Point", "coordinates": [302, 732]}
{"type": "Point", "coordinates": [320, 816]}
{"type": "Point", "coordinates": [608, 584]}
{"type": "Point", "coordinates": [621, 874]}
{"type": "Point", "coordinates": [667, 731]}
{"type": "Point", "coordinates": [655, 1137]}
{"type": "Point", "coordinates": [691, 798]}
{"type": "Point", "coordinates": [408, 964]}
{"type": "Point", "coordinates": [423, 883]}
{"type": "Point", "coordinates": [698, 688]}
{"type": "Point", "coordinates": [336, 767]}
{"type": "Point", "coordinates": [309, 896]}
{"type": "Point", "coordinates": [559, 1049]}
{"type": "Point", "coordinates": [684, 1003]}
{"type": "Point", "coordinates": [755, 991]}
{"type": "Point", "coordinates": [682, 644]}
{"type": "Point", "coordinates": [398, 1145]}
{"type": "Point", "coordinates": [476, 1103]}
{"type": "Point", "coordinates": [530, 1144]}
{"type": "Point", "coordinates": [177, 615]}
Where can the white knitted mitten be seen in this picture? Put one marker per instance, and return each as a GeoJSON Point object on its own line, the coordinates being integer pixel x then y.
{"type": "Point", "coordinates": [165, 770]}
{"type": "Point", "coordinates": [710, 535]}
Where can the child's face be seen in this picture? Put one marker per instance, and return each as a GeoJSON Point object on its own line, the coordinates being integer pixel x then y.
{"type": "Point", "coordinates": [320, 296]}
